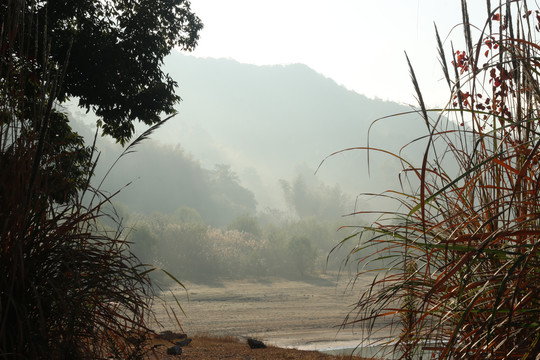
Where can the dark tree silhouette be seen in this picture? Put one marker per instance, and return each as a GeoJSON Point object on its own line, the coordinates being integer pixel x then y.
{"type": "Point", "coordinates": [112, 52]}
{"type": "Point", "coordinates": [107, 54]}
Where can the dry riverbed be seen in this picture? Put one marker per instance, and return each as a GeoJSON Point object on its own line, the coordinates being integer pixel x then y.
{"type": "Point", "coordinates": [300, 314]}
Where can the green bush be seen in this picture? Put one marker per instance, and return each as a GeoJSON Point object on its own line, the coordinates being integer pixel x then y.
{"type": "Point", "coordinates": [301, 255]}
{"type": "Point", "coordinates": [246, 223]}
{"type": "Point", "coordinates": [186, 251]}
{"type": "Point", "coordinates": [143, 243]}
{"type": "Point", "coordinates": [187, 215]}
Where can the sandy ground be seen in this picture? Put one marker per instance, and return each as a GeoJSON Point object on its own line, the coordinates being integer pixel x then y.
{"type": "Point", "coordinates": [300, 314]}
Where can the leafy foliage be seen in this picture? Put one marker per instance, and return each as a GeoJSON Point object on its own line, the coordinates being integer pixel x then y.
{"type": "Point", "coordinates": [313, 199]}
{"type": "Point", "coordinates": [246, 223]}
{"type": "Point", "coordinates": [70, 288]}
{"type": "Point", "coordinates": [302, 254]}
{"type": "Point", "coordinates": [246, 248]}
{"type": "Point", "coordinates": [115, 50]}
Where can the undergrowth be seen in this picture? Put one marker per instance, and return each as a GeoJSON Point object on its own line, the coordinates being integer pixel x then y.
{"type": "Point", "coordinates": [69, 288]}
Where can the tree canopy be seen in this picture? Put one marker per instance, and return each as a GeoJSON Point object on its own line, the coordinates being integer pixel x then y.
{"type": "Point", "coordinates": [112, 52]}
{"type": "Point", "coordinates": [106, 54]}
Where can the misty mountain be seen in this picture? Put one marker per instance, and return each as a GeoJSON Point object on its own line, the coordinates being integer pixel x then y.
{"type": "Point", "coordinates": [269, 124]}
{"type": "Point", "coordinates": [273, 122]}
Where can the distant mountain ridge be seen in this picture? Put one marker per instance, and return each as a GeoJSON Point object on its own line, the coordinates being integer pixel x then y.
{"type": "Point", "coordinates": [269, 122]}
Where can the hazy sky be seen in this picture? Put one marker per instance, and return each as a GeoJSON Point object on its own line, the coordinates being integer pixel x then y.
{"type": "Point", "coordinates": [358, 43]}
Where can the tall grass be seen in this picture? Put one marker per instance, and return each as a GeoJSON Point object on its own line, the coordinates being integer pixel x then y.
{"type": "Point", "coordinates": [69, 288]}
{"type": "Point", "coordinates": [463, 248]}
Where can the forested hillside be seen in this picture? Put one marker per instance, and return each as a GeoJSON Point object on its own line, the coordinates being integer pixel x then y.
{"type": "Point", "coordinates": [268, 124]}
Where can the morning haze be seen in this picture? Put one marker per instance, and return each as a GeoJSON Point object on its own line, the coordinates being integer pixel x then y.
{"type": "Point", "coordinates": [270, 123]}
{"type": "Point", "coordinates": [227, 190]}
{"type": "Point", "coordinates": [290, 204]}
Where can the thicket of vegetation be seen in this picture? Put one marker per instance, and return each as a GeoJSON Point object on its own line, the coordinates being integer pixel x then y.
{"type": "Point", "coordinates": [215, 233]}
{"type": "Point", "coordinates": [176, 180]}
{"type": "Point", "coordinates": [249, 247]}
{"type": "Point", "coordinates": [463, 250]}
{"type": "Point", "coordinates": [69, 288]}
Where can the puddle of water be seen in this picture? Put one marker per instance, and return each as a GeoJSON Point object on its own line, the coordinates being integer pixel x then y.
{"type": "Point", "coordinates": [352, 348]}
{"type": "Point", "coordinates": [375, 351]}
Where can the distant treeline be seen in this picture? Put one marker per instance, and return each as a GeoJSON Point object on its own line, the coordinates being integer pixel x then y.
{"type": "Point", "coordinates": [188, 248]}
{"type": "Point", "coordinates": [162, 178]}
{"type": "Point", "coordinates": [203, 224]}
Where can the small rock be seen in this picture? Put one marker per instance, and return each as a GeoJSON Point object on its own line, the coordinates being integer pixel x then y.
{"type": "Point", "coordinates": [184, 342]}
{"type": "Point", "coordinates": [255, 344]}
{"type": "Point", "coordinates": [169, 335]}
{"type": "Point", "coordinates": [175, 350]}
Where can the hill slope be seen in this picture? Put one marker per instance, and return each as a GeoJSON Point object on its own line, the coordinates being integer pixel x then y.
{"type": "Point", "coordinates": [271, 122]}
{"type": "Point", "coordinates": [268, 123]}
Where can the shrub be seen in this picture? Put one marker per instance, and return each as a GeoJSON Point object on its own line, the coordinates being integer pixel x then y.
{"type": "Point", "coordinates": [143, 243]}
{"type": "Point", "coordinates": [302, 255]}
{"type": "Point", "coordinates": [68, 289]}
{"type": "Point", "coordinates": [246, 223]}
{"type": "Point", "coordinates": [186, 251]}
{"type": "Point", "coordinates": [187, 215]}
